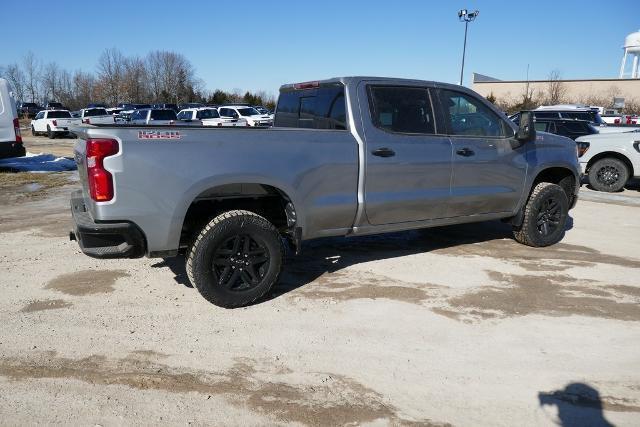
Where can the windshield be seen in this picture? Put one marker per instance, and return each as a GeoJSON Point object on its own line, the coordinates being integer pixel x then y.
{"type": "Point", "coordinates": [207, 114]}
{"type": "Point", "coordinates": [248, 111]}
{"type": "Point", "coordinates": [261, 110]}
{"type": "Point", "coordinates": [163, 115]}
{"type": "Point", "coordinates": [95, 112]}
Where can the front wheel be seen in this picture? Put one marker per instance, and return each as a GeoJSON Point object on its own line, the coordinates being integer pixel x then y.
{"type": "Point", "coordinates": [235, 259]}
{"type": "Point", "coordinates": [545, 216]}
{"type": "Point", "coordinates": [33, 131]}
{"type": "Point", "coordinates": [608, 174]}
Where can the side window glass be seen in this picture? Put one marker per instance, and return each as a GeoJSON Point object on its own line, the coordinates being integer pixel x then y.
{"type": "Point", "coordinates": [402, 109]}
{"type": "Point", "coordinates": [469, 116]}
{"type": "Point", "coordinates": [338, 114]}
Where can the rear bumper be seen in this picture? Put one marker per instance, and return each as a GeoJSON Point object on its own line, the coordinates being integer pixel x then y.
{"type": "Point", "coordinates": [12, 149]}
{"type": "Point", "coordinates": [104, 239]}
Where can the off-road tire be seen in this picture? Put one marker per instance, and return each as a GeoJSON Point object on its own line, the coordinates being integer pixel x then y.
{"type": "Point", "coordinates": [546, 201]}
{"type": "Point", "coordinates": [211, 240]}
{"type": "Point", "coordinates": [608, 174]}
{"type": "Point", "coordinates": [50, 134]}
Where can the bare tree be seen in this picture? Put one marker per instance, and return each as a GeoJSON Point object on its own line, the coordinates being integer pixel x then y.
{"type": "Point", "coordinates": [171, 76]}
{"type": "Point", "coordinates": [134, 81]}
{"type": "Point", "coordinates": [555, 88]}
{"type": "Point", "coordinates": [15, 76]}
{"type": "Point", "coordinates": [84, 89]}
{"type": "Point", "coordinates": [32, 76]}
{"type": "Point", "coordinates": [110, 73]}
{"type": "Point", "coordinates": [50, 80]}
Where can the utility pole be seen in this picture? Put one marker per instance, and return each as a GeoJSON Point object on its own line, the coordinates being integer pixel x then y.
{"type": "Point", "coordinates": [465, 16]}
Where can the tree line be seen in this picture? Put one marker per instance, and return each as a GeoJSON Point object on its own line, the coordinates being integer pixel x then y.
{"type": "Point", "coordinates": [159, 77]}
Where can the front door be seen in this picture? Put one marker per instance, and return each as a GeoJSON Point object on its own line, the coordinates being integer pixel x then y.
{"type": "Point", "coordinates": [489, 164]}
{"type": "Point", "coordinates": [407, 158]}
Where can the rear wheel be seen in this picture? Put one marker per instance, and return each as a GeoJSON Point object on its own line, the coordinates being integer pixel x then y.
{"type": "Point", "coordinates": [235, 259]}
{"type": "Point", "coordinates": [608, 174]}
{"type": "Point", "coordinates": [49, 133]}
{"type": "Point", "coordinates": [545, 216]}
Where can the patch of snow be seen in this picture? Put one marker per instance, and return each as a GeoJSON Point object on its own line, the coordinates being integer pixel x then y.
{"type": "Point", "coordinates": [38, 163]}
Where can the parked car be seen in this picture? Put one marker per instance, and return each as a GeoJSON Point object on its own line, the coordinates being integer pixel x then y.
{"type": "Point", "coordinates": [610, 160]}
{"type": "Point", "coordinates": [575, 112]}
{"type": "Point", "coordinates": [96, 116]}
{"type": "Point", "coordinates": [262, 110]}
{"type": "Point", "coordinates": [250, 114]}
{"type": "Point", "coordinates": [208, 117]}
{"type": "Point", "coordinates": [173, 107]}
{"type": "Point", "coordinates": [566, 127]}
{"type": "Point", "coordinates": [53, 123]}
{"type": "Point", "coordinates": [412, 154]}
{"type": "Point", "coordinates": [97, 106]}
{"type": "Point", "coordinates": [190, 105]}
{"type": "Point", "coordinates": [153, 116]}
{"type": "Point", "coordinates": [128, 109]}
{"type": "Point", "coordinates": [10, 136]}
{"type": "Point", "coordinates": [29, 109]}
{"type": "Point", "coordinates": [54, 106]}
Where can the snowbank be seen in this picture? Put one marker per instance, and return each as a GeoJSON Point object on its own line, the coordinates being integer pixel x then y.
{"type": "Point", "coordinates": [38, 163]}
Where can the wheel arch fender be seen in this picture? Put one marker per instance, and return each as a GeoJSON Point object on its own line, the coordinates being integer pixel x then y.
{"type": "Point", "coordinates": [212, 185]}
{"type": "Point", "coordinates": [621, 155]}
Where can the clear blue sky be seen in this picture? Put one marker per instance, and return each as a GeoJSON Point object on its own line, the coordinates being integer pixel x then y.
{"type": "Point", "coordinates": [253, 45]}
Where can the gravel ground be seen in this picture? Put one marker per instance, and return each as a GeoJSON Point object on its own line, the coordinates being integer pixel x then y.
{"type": "Point", "coordinates": [458, 325]}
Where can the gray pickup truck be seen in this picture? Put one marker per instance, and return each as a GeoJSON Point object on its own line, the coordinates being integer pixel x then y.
{"type": "Point", "coordinates": [347, 156]}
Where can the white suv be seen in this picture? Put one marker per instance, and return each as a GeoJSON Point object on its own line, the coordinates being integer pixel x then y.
{"type": "Point", "coordinates": [250, 114]}
{"type": "Point", "coordinates": [208, 117]}
{"type": "Point", "coordinates": [610, 160]}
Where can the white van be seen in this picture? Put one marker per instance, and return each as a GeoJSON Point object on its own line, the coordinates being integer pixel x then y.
{"type": "Point", "coordinates": [10, 138]}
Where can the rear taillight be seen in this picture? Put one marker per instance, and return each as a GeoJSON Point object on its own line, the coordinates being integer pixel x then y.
{"type": "Point", "coordinates": [55, 123]}
{"type": "Point", "coordinates": [16, 128]}
{"type": "Point", "coordinates": [616, 121]}
{"type": "Point", "coordinates": [99, 179]}
{"type": "Point", "coordinates": [86, 121]}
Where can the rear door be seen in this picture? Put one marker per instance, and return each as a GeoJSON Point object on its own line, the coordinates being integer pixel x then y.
{"type": "Point", "coordinates": [407, 157]}
{"type": "Point", "coordinates": [489, 165]}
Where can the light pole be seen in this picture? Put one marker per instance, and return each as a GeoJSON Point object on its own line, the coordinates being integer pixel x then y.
{"type": "Point", "coordinates": [465, 16]}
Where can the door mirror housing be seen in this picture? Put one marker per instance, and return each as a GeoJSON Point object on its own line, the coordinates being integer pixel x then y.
{"type": "Point", "coordinates": [526, 127]}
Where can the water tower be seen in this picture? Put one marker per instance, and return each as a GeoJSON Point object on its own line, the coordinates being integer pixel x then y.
{"type": "Point", "coordinates": [632, 49]}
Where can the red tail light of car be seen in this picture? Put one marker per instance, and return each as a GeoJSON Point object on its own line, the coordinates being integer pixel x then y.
{"type": "Point", "coordinates": [100, 180]}
{"type": "Point", "coordinates": [16, 128]}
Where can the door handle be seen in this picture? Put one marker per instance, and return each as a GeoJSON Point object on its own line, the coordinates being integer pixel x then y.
{"type": "Point", "coordinates": [383, 152]}
{"type": "Point", "coordinates": [465, 152]}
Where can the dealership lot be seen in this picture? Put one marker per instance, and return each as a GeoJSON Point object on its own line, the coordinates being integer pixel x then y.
{"type": "Point", "coordinates": [458, 325]}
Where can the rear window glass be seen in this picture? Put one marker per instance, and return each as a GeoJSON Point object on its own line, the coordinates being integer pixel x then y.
{"type": "Point", "coordinates": [163, 115]}
{"type": "Point", "coordinates": [402, 109]}
{"type": "Point", "coordinates": [59, 115]}
{"type": "Point", "coordinates": [95, 112]}
{"type": "Point", "coordinates": [207, 114]}
{"type": "Point", "coordinates": [321, 108]}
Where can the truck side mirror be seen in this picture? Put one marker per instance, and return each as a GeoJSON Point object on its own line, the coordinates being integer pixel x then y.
{"type": "Point", "coordinates": [526, 127]}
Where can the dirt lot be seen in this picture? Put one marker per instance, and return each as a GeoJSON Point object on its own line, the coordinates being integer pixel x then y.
{"type": "Point", "coordinates": [458, 326]}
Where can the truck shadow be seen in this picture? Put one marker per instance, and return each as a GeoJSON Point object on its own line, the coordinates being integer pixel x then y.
{"type": "Point", "coordinates": [328, 255]}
